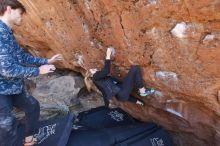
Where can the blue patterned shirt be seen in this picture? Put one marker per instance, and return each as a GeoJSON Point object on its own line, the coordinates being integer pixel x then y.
{"type": "Point", "coordinates": [15, 63]}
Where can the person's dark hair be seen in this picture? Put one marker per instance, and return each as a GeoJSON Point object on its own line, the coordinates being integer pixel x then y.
{"type": "Point", "coordinates": [14, 4]}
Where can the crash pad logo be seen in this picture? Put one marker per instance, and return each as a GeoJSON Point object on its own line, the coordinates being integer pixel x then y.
{"type": "Point", "coordinates": [116, 116]}
{"type": "Point", "coordinates": [76, 127]}
{"type": "Point", "coordinates": [157, 142]}
{"type": "Point", "coordinates": [45, 132]}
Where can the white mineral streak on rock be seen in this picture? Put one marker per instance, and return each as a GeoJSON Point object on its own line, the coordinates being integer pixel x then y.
{"type": "Point", "coordinates": [179, 30]}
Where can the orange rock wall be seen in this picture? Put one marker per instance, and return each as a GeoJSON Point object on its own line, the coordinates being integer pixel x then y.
{"type": "Point", "coordinates": [176, 42]}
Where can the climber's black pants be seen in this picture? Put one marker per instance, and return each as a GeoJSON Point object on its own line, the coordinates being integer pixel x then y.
{"type": "Point", "coordinates": [132, 80]}
{"type": "Point", "coordinates": [8, 124]}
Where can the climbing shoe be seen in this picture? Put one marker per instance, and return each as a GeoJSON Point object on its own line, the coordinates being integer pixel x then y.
{"type": "Point", "coordinates": [148, 91]}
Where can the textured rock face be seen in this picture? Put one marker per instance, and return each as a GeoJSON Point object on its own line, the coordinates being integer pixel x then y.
{"type": "Point", "coordinates": [176, 42]}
